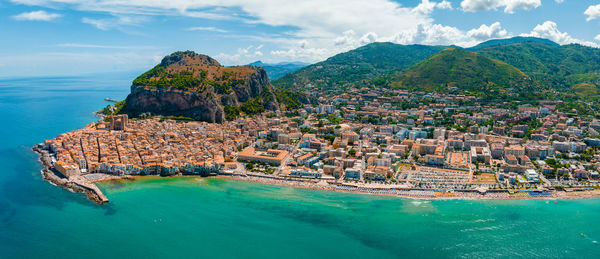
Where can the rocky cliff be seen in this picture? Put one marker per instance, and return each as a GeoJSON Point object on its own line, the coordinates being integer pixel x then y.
{"type": "Point", "coordinates": [197, 86]}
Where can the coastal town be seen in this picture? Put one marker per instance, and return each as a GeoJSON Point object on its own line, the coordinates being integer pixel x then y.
{"type": "Point", "coordinates": [388, 142]}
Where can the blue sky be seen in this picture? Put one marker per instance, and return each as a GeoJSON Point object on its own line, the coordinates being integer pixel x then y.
{"type": "Point", "coordinates": [74, 37]}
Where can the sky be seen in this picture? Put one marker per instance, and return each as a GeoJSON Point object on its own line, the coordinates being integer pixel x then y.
{"type": "Point", "coordinates": [77, 37]}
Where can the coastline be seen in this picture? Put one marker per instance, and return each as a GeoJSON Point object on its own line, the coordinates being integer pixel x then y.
{"type": "Point", "coordinates": [314, 185]}
{"type": "Point", "coordinates": [556, 195]}
{"type": "Point", "coordinates": [95, 194]}
{"type": "Point", "coordinates": [88, 188]}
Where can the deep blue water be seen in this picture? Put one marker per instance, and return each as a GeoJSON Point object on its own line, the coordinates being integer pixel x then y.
{"type": "Point", "coordinates": [196, 217]}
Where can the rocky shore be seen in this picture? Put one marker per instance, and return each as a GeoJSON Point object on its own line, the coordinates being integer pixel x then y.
{"type": "Point", "coordinates": [76, 184]}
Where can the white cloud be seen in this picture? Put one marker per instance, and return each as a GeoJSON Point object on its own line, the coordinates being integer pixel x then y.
{"type": "Point", "coordinates": [347, 38]}
{"type": "Point", "coordinates": [316, 22]}
{"type": "Point", "coordinates": [437, 34]}
{"type": "Point", "coordinates": [510, 6]}
{"type": "Point", "coordinates": [549, 30]}
{"type": "Point", "coordinates": [426, 7]}
{"type": "Point", "coordinates": [592, 12]}
{"type": "Point", "coordinates": [313, 18]}
{"type": "Point", "coordinates": [243, 55]}
{"type": "Point", "coordinates": [367, 38]}
{"type": "Point", "coordinates": [597, 37]}
{"type": "Point", "coordinates": [350, 39]}
{"type": "Point", "coordinates": [444, 5]}
{"type": "Point", "coordinates": [213, 29]}
{"type": "Point", "coordinates": [431, 34]}
{"type": "Point", "coordinates": [309, 54]}
{"type": "Point", "coordinates": [36, 16]}
{"type": "Point", "coordinates": [426, 33]}
{"type": "Point", "coordinates": [100, 24]}
{"type": "Point", "coordinates": [559, 1]}
{"type": "Point", "coordinates": [315, 29]}
{"type": "Point", "coordinates": [114, 22]}
{"type": "Point", "coordinates": [485, 32]}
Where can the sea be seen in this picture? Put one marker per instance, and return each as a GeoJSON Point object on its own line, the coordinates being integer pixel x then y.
{"type": "Point", "coordinates": [192, 217]}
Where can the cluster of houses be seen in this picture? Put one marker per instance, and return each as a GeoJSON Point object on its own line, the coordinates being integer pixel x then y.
{"type": "Point", "coordinates": [359, 135]}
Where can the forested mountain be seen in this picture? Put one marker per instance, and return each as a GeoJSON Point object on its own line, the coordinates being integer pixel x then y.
{"type": "Point", "coordinates": [547, 66]}
{"type": "Point", "coordinates": [359, 66]}
{"type": "Point", "coordinates": [551, 66]}
{"type": "Point", "coordinates": [454, 68]}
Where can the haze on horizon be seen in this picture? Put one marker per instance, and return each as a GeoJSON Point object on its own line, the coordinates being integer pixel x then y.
{"type": "Point", "coordinates": [60, 37]}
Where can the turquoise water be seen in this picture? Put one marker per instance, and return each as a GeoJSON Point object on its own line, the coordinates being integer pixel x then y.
{"type": "Point", "coordinates": [200, 217]}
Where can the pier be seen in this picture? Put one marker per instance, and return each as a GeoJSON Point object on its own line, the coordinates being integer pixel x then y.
{"type": "Point", "coordinates": [110, 100]}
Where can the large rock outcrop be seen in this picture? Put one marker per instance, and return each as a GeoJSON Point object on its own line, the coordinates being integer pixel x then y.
{"type": "Point", "coordinates": [172, 102]}
{"type": "Point", "coordinates": [197, 86]}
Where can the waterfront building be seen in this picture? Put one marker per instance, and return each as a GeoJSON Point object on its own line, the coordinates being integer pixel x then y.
{"type": "Point", "coordinates": [532, 176]}
{"type": "Point", "coordinates": [271, 156]}
{"type": "Point", "coordinates": [305, 173]}
{"type": "Point", "coordinates": [67, 169]}
{"type": "Point", "coordinates": [352, 173]}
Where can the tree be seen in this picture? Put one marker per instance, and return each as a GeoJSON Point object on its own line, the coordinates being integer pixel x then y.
{"type": "Point", "coordinates": [231, 112]}
{"type": "Point", "coordinates": [352, 152]}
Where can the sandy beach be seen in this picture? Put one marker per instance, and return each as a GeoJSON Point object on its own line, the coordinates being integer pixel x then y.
{"type": "Point", "coordinates": [392, 192]}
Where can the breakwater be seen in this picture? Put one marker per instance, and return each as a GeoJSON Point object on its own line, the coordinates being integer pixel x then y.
{"type": "Point", "coordinates": [50, 174]}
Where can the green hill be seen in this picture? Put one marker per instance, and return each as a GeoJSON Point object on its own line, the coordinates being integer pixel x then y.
{"type": "Point", "coordinates": [458, 70]}
{"type": "Point", "coordinates": [359, 66]}
{"type": "Point", "coordinates": [514, 40]}
{"type": "Point", "coordinates": [586, 91]}
{"type": "Point", "coordinates": [551, 66]}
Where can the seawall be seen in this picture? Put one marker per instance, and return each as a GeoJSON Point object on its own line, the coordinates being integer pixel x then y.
{"type": "Point", "coordinates": [49, 174]}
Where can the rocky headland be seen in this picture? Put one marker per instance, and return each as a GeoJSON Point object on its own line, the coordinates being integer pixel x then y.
{"type": "Point", "coordinates": [199, 87]}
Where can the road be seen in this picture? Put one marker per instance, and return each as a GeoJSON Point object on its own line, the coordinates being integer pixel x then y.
{"type": "Point", "coordinates": [290, 155]}
{"type": "Point", "coordinates": [287, 159]}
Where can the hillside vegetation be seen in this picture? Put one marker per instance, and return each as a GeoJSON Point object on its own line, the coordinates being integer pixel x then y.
{"type": "Point", "coordinates": [359, 66]}
{"type": "Point", "coordinates": [458, 70]}
{"type": "Point", "coordinates": [550, 66]}
{"type": "Point", "coordinates": [195, 86]}
{"type": "Point", "coordinates": [549, 69]}
{"type": "Point", "coordinates": [513, 40]}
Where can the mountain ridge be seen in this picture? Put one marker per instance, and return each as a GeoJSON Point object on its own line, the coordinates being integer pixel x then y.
{"type": "Point", "coordinates": [509, 41]}
{"type": "Point", "coordinates": [550, 66]}
{"type": "Point", "coordinates": [359, 65]}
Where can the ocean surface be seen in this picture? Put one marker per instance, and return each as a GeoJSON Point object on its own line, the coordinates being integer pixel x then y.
{"type": "Point", "coordinates": [217, 218]}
